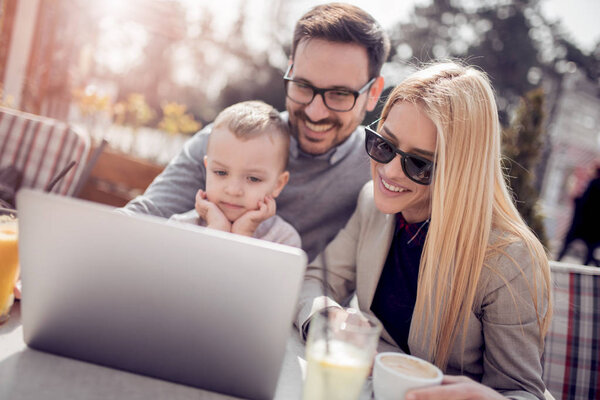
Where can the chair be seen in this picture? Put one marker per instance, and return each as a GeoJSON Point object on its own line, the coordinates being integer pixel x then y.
{"type": "Point", "coordinates": [41, 148]}
{"type": "Point", "coordinates": [117, 178]}
{"type": "Point", "coordinates": [572, 348]}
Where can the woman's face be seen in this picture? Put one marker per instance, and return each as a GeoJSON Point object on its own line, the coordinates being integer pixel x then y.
{"type": "Point", "coordinates": [410, 130]}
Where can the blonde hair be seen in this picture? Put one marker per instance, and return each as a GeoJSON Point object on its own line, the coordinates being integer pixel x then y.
{"type": "Point", "coordinates": [249, 119]}
{"type": "Point", "coordinates": [469, 198]}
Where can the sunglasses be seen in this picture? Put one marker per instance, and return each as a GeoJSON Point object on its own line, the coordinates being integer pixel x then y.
{"type": "Point", "coordinates": [418, 169]}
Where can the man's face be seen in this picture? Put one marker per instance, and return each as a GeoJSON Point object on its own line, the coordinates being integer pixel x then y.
{"type": "Point", "coordinates": [325, 65]}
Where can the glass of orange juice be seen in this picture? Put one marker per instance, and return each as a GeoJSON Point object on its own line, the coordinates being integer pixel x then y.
{"type": "Point", "coordinates": [9, 260]}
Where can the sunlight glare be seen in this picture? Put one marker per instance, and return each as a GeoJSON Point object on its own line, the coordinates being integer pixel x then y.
{"type": "Point", "coordinates": [120, 44]}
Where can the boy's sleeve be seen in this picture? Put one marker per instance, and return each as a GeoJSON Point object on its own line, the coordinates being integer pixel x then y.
{"type": "Point", "coordinates": [190, 217]}
{"type": "Point", "coordinates": [174, 190]}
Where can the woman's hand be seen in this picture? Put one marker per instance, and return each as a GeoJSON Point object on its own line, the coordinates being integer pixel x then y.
{"type": "Point", "coordinates": [455, 388]}
{"type": "Point", "coordinates": [249, 221]}
{"type": "Point", "coordinates": [209, 212]}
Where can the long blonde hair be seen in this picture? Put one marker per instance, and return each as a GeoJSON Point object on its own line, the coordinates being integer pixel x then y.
{"type": "Point", "coordinates": [469, 198]}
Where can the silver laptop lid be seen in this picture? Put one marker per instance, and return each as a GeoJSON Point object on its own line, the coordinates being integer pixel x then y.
{"type": "Point", "coordinates": [177, 302]}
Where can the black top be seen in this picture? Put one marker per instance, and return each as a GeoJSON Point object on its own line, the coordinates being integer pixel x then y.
{"type": "Point", "coordinates": [396, 293]}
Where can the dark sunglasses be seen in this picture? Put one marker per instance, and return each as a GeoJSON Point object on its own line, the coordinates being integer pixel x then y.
{"type": "Point", "coordinates": [418, 169]}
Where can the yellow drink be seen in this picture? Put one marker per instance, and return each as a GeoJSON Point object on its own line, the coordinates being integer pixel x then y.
{"type": "Point", "coordinates": [9, 264]}
{"type": "Point", "coordinates": [337, 374]}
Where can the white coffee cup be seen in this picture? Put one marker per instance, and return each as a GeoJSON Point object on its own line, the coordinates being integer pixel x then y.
{"type": "Point", "coordinates": [396, 373]}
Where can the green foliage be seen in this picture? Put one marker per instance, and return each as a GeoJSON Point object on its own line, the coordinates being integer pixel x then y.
{"type": "Point", "coordinates": [521, 147]}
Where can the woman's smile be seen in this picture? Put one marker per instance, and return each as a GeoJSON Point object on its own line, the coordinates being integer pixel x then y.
{"type": "Point", "coordinates": [392, 187]}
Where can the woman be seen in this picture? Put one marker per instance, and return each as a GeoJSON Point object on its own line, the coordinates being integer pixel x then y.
{"type": "Point", "coordinates": [436, 248]}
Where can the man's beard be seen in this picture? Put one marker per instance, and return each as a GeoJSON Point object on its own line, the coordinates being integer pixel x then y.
{"type": "Point", "coordinates": [300, 115]}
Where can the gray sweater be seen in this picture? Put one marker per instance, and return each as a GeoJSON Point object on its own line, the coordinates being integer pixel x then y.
{"type": "Point", "coordinates": [318, 200]}
{"type": "Point", "coordinates": [274, 229]}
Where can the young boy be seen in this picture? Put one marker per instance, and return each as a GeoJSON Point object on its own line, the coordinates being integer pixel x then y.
{"type": "Point", "coordinates": [246, 160]}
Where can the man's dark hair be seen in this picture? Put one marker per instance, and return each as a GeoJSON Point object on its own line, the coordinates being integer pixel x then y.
{"type": "Point", "coordinates": [345, 23]}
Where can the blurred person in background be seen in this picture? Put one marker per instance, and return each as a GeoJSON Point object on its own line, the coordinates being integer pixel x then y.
{"type": "Point", "coordinates": [585, 224]}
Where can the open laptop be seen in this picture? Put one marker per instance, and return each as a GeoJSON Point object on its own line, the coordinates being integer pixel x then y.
{"type": "Point", "coordinates": [176, 302]}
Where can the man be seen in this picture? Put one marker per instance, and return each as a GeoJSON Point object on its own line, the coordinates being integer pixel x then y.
{"type": "Point", "coordinates": [332, 80]}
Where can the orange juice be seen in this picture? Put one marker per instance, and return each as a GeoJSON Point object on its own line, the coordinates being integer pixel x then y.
{"type": "Point", "coordinates": [9, 264]}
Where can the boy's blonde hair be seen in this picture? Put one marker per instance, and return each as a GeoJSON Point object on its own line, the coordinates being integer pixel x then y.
{"type": "Point", "coordinates": [249, 119]}
{"type": "Point", "coordinates": [469, 198]}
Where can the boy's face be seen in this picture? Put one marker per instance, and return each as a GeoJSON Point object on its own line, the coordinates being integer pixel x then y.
{"type": "Point", "coordinates": [240, 173]}
{"type": "Point", "coordinates": [324, 64]}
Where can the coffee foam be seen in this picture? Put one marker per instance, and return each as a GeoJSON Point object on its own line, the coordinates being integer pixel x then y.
{"type": "Point", "coordinates": [409, 366]}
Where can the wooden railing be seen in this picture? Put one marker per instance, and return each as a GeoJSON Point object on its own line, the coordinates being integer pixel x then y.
{"type": "Point", "coordinates": [116, 178]}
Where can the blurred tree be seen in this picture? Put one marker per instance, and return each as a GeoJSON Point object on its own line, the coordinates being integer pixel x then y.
{"type": "Point", "coordinates": [256, 78]}
{"type": "Point", "coordinates": [521, 148]}
{"type": "Point", "coordinates": [510, 40]}
{"type": "Point", "coordinates": [589, 64]}
{"type": "Point", "coordinates": [260, 82]}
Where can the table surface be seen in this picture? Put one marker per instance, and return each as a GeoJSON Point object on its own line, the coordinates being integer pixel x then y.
{"type": "Point", "coordinates": [30, 374]}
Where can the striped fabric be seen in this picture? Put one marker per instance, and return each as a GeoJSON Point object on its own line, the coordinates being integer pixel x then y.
{"type": "Point", "coordinates": [40, 148]}
{"type": "Point", "coordinates": [572, 353]}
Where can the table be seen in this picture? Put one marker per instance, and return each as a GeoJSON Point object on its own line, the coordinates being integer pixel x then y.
{"type": "Point", "coordinates": [30, 374]}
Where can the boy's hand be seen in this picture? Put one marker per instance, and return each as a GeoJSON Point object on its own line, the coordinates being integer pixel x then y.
{"type": "Point", "coordinates": [249, 221]}
{"type": "Point", "coordinates": [210, 213]}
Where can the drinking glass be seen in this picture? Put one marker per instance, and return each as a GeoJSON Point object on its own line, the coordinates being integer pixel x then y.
{"type": "Point", "coordinates": [339, 354]}
{"type": "Point", "coordinates": [9, 260]}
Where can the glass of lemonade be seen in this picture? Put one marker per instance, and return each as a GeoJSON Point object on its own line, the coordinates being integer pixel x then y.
{"type": "Point", "coordinates": [9, 260]}
{"type": "Point", "coordinates": [339, 354]}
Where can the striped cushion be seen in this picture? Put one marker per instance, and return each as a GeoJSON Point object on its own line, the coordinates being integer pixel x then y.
{"type": "Point", "coordinates": [572, 352]}
{"type": "Point", "coordinates": [40, 148]}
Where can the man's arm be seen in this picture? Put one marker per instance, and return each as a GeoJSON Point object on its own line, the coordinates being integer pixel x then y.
{"type": "Point", "coordinates": [340, 255]}
{"type": "Point", "coordinates": [174, 190]}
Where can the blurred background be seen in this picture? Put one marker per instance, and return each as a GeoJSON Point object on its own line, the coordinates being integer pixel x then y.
{"type": "Point", "coordinates": [146, 74]}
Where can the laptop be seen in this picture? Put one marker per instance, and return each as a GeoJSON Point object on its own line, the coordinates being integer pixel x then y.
{"type": "Point", "coordinates": [177, 302]}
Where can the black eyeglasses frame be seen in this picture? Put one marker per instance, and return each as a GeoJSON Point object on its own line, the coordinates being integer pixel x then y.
{"type": "Point", "coordinates": [320, 91]}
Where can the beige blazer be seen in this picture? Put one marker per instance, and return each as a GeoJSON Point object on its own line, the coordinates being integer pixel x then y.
{"type": "Point", "coordinates": [502, 347]}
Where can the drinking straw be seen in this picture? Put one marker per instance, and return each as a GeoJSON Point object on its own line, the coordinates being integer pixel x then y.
{"type": "Point", "coordinates": [325, 293]}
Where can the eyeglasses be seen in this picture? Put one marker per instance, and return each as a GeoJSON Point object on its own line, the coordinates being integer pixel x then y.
{"type": "Point", "coordinates": [418, 169]}
{"type": "Point", "coordinates": [336, 99]}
